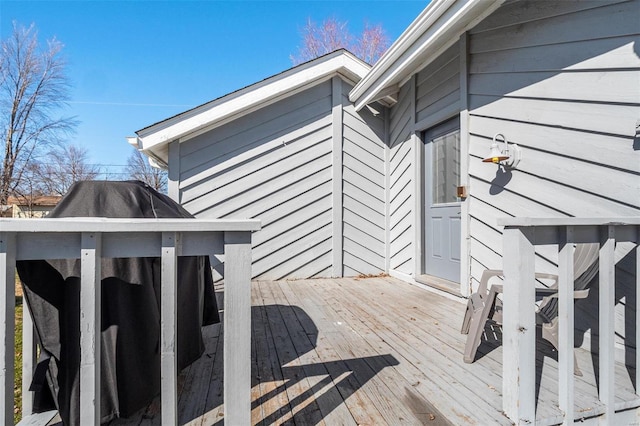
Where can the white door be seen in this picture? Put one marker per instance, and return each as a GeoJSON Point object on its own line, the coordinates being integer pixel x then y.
{"type": "Point", "coordinates": [442, 210]}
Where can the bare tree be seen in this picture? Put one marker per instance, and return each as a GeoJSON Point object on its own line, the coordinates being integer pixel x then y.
{"type": "Point", "coordinates": [33, 86]}
{"type": "Point", "coordinates": [30, 185]}
{"type": "Point", "coordinates": [371, 44]}
{"type": "Point", "coordinates": [138, 168]}
{"type": "Point", "coordinates": [64, 166]}
{"type": "Point", "coordinates": [332, 34]}
{"type": "Point", "coordinates": [319, 40]}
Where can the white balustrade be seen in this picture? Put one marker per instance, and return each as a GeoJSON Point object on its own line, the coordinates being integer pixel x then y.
{"type": "Point", "coordinates": [90, 239]}
{"type": "Point", "coordinates": [519, 333]}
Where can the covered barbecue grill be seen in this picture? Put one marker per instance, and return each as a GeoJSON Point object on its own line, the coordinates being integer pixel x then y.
{"type": "Point", "coordinates": [130, 323]}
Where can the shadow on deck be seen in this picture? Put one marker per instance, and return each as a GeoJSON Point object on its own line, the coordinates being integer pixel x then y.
{"type": "Point", "coordinates": [364, 352]}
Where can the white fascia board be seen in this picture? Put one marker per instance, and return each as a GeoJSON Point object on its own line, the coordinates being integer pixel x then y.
{"type": "Point", "coordinates": [427, 17]}
{"type": "Point", "coordinates": [246, 100]}
{"type": "Point", "coordinates": [157, 164]}
{"type": "Point", "coordinates": [133, 141]}
{"type": "Point", "coordinates": [437, 25]}
{"type": "Point", "coordinates": [158, 160]}
{"type": "Point", "coordinates": [153, 157]}
{"type": "Point", "coordinates": [248, 110]}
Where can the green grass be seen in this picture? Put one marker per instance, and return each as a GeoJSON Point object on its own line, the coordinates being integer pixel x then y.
{"type": "Point", "coordinates": [17, 389]}
{"type": "Point", "coordinates": [17, 364]}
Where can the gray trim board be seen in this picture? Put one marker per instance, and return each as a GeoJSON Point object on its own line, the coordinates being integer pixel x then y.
{"type": "Point", "coordinates": [173, 178]}
{"type": "Point", "coordinates": [336, 175]}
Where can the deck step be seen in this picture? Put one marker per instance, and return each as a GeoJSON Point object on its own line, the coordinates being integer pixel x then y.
{"type": "Point", "coordinates": [38, 419]}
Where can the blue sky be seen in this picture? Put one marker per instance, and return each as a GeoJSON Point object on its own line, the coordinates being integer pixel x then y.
{"type": "Point", "coordinates": [133, 63]}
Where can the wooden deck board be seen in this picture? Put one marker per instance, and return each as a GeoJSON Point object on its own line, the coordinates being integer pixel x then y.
{"type": "Point", "coordinates": [368, 365]}
{"type": "Point", "coordinates": [366, 352]}
{"type": "Point", "coordinates": [191, 405]}
{"type": "Point", "coordinates": [304, 408]}
{"type": "Point", "coordinates": [404, 377]}
{"type": "Point", "coordinates": [362, 408]}
{"type": "Point", "coordinates": [402, 328]}
{"type": "Point", "coordinates": [327, 395]}
{"type": "Point", "coordinates": [274, 402]}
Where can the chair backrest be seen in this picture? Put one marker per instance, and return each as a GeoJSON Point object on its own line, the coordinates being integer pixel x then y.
{"type": "Point", "coordinates": [585, 268]}
{"type": "Point", "coordinates": [585, 264]}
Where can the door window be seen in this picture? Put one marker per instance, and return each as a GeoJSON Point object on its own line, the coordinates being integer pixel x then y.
{"type": "Point", "coordinates": [445, 167]}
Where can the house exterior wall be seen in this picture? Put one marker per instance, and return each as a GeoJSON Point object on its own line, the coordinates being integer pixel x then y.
{"type": "Point", "coordinates": [363, 193]}
{"type": "Point", "coordinates": [21, 212]}
{"type": "Point", "coordinates": [340, 191]}
{"type": "Point", "coordinates": [26, 207]}
{"type": "Point", "coordinates": [562, 80]}
{"type": "Point", "coordinates": [401, 182]}
{"type": "Point", "coordinates": [438, 89]}
{"type": "Point", "coordinates": [429, 98]}
{"type": "Point", "coordinates": [285, 165]}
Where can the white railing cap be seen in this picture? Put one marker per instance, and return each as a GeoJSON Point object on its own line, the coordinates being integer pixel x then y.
{"type": "Point", "coordinates": [99, 224]}
{"type": "Point", "coordinates": [567, 221]}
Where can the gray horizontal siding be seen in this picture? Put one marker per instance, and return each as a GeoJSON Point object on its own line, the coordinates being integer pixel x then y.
{"type": "Point", "coordinates": [276, 119]}
{"type": "Point", "coordinates": [265, 176]}
{"type": "Point", "coordinates": [564, 22]}
{"type": "Point", "coordinates": [562, 80]}
{"type": "Point", "coordinates": [400, 125]}
{"type": "Point", "coordinates": [438, 88]}
{"type": "Point", "coordinates": [401, 211]}
{"type": "Point", "coordinates": [275, 165]}
{"type": "Point", "coordinates": [363, 200]}
{"type": "Point", "coordinates": [582, 55]}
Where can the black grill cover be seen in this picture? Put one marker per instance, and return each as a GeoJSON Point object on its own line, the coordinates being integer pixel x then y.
{"type": "Point", "coordinates": [130, 357]}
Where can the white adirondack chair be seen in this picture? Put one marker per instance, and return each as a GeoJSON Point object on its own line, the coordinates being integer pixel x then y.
{"type": "Point", "coordinates": [485, 303]}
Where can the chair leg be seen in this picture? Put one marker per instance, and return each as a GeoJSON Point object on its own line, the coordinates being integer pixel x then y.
{"type": "Point", "coordinates": [476, 327]}
{"type": "Point", "coordinates": [576, 369]}
{"type": "Point", "coordinates": [550, 334]}
{"type": "Point", "coordinates": [474, 300]}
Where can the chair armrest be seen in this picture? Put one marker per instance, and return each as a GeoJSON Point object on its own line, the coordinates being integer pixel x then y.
{"type": "Point", "coordinates": [490, 273]}
{"type": "Point", "coordinates": [581, 294]}
{"type": "Point", "coordinates": [544, 276]}
{"type": "Point", "coordinates": [484, 280]}
{"type": "Point", "coordinates": [552, 292]}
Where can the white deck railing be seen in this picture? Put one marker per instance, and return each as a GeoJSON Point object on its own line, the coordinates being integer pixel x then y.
{"type": "Point", "coordinates": [519, 326]}
{"type": "Point", "coordinates": [91, 239]}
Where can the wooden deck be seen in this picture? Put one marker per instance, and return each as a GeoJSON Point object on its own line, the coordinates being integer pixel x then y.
{"type": "Point", "coordinates": [369, 351]}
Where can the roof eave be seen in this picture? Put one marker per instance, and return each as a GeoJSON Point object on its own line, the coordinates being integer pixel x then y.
{"type": "Point", "coordinates": [230, 107]}
{"type": "Point", "coordinates": [439, 23]}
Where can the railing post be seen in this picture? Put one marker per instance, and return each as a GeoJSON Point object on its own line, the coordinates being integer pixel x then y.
{"type": "Point", "coordinates": [519, 326]}
{"type": "Point", "coordinates": [90, 305]}
{"type": "Point", "coordinates": [606, 323]}
{"type": "Point", "coordinates": [237, 328]}
{"type": "Point", "coordinates": [7, 316]}
{"type": "Point", "coordinates": [637, 233]}
{"type": "Point", "coordinates": [168, 328]}
{"type": "Point", "coordinates": [566, 323]}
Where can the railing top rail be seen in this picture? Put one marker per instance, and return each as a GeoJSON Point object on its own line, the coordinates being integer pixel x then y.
{"type": "Point", "coordinates": [98, 224]}
{"type": "Point", "coordinates": [567, 221]}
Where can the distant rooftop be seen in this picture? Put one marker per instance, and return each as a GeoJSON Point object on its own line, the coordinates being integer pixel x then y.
{"type": "Point", "coordinates": [40, 200]}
